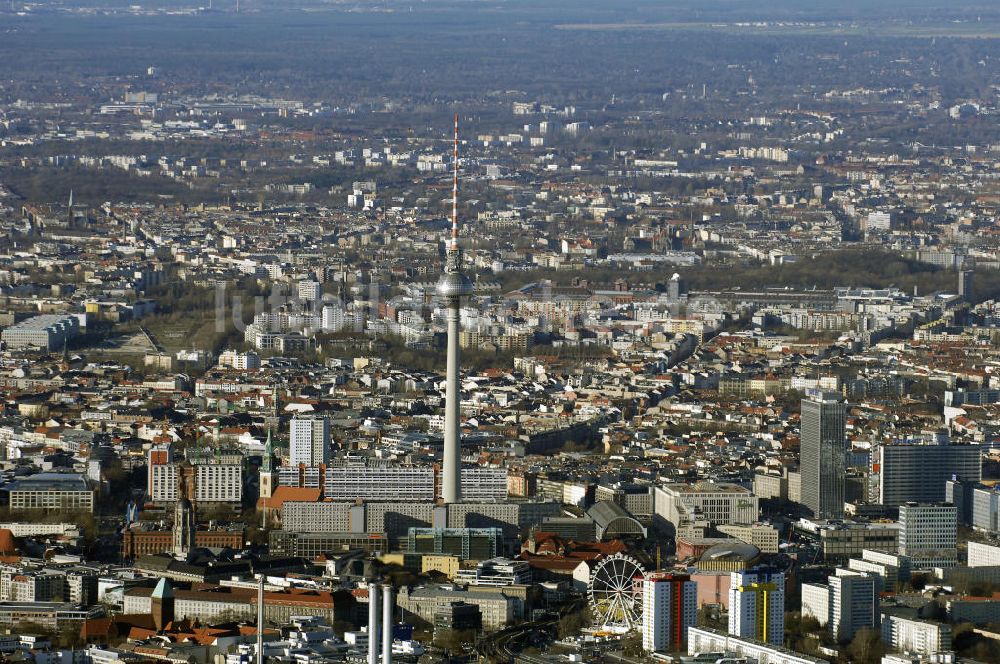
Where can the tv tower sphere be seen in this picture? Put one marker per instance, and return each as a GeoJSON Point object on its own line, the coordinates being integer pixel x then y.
{"type": "Point", "coordinates": [454, 285]}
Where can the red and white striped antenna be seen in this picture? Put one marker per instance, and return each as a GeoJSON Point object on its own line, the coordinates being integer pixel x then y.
{"type": "Point", "coordinates": [454, 192]}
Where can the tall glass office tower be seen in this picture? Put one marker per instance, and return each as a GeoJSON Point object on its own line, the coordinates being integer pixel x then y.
{"type": "Point", "coordinates": [823, 452]}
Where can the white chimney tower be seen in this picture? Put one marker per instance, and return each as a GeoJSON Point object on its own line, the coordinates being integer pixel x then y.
{"type": "Point", "coordinates": [387, 621]}
{"type": "Point", "coordinates": [373, 595]}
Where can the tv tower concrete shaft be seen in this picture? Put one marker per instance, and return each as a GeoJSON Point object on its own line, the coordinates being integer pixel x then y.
{"type": "Point", "coordinates": [451, 489]}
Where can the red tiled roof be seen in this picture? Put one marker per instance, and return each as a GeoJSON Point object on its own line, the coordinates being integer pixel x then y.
{"type": "Point", "coordinates": [284, 494]}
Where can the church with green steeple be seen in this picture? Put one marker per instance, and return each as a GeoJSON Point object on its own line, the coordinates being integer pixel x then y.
{"type": "Point", "coordinates": [267, 476]}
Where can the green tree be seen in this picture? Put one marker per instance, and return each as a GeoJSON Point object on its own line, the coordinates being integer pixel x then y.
{"type": "Point", "coordinates": [866, 647]}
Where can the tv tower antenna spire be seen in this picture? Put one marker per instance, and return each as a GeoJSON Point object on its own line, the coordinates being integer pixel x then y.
{"type": "Point", "coordinates": [454, 191]}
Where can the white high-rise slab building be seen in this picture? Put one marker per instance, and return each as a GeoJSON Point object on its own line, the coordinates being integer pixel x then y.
{"type": "Point", "coordinates": [847, 604]}
{"type": "Point", "coordinates": [854, 604]}
{"type": "Point", "coordinates": [213, 483]}
{"type": "Point", "coordinates": [669, 608]}
{"type": "Point", "coordinates": [919, 637]}
{"type": "Point", "coordinates": [309, 441]}
{"type": "Point", "coordinates": [310, 291]}
{"type": "Point", "coordinates": [757, 605]}
{"type": "Point", "coordinates": [986, 509]}
{"type": "Point", "coordinates": [983, 555]}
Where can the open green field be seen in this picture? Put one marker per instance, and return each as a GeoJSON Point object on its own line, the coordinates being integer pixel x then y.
{"type": "Point", "coordinates": [192, 332]}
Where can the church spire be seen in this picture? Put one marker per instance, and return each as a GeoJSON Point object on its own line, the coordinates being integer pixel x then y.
{"type": "Point", "coordinates": [267, 463]}
{"type": "Point", "coordinates": [267, 478]}
{"type": "Point", "coordinates": [184, 518]}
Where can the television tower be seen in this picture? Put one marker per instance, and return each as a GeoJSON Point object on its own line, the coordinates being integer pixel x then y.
{"type": "Point", "coordinates": [453, 286]}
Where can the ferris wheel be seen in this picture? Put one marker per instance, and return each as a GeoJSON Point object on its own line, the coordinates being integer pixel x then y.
{"type": "Point", "coordinates": [615, 592]}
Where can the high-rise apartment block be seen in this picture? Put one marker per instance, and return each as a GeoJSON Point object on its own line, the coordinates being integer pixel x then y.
{"type": "Point", "coordinates": [986, 509]}
{"type": "Point", "coordinates": [380, 480]}
{"type": "Point", "coordinates": [309, 441]}
{"type": "Point", "coordinates": [918, 637]}
{"type": "Point", "coordinates": [757, 605]}
{"type": "Point", "coordinates": [310, 291]}
{"type": "Point", "coordinates": [891, 569]}
{"type": "Point", "coordinates": [960, 493]}
{"type": "Point", "coordinates": [158, 455]}
{"type": "Point", "coordinates": [212, 476]}
{"type": "Point", "coordinates": [669, 608]}
{"type": "Point", "coordinates": [849, 602]}
{"type": "Point", "coordinates": [983, 555]}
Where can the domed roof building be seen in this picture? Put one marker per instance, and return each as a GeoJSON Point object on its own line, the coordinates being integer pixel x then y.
{"type": "Point", "coordinates": [613, 522]}
{"type": "Point", "coordinates": [729, 557]}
